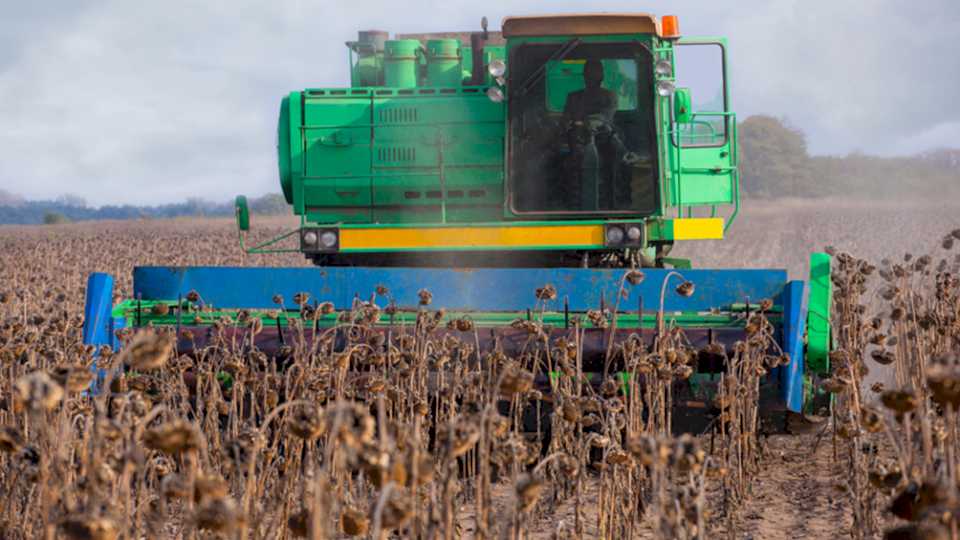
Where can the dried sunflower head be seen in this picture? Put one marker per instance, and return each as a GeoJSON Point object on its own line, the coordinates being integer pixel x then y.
{"type": "Point", "coordinates": [299, 523]}
{"type": "Point", "coordinates": [516, 382]}
{"type": "Point", "coordinates": [547, 292]}
{"type": "Point", "coordinates": [147, 351]}
{"type": "Point", "coordinates": [173, 437]}
{"type": "Point", "coordinates": [397, 510]}
{"type": "Point", "coordinates": [174, 486]}
{"type": "Point", "coordinates": [870, 420]}
{"type": "Point", "coordinates": [353, 522]}
{"type": "Point", "coordinates": [915, 501]}
{"type": "Point", "coordinates": [80, 527]}
{"type": "Point", "coordinates": [306, 422]}
{"type": "Point", "coordinates": [425, 297]}
{"type": "Point", "coordinates": [528, 489]}
{"type": "Point", "coordinates": [37, 392]}
{"type": "Point", "coordinates": [221, 515]}
{"type": "Point", "coordinates": [943, 379]}
{"type": "Point", "coordinates": [686, 289]}
{"type": "Point", "coordinates": [899, 401]}
{"type": "Point", "coordinates": [10, 439]}
{"type": "Point", "coordinates": [917, 531]}
{"type": "Point", "coordinates": [834, 385]}
{"type": "Point", "coordinates": [635, 277]}
{"type": "Point", "coordinates": [460, 439]}
{"type": "Point", "coordinates": [618, 457]}
{"type": "Point", "coordinates": [209, 486]}
{"type": "Point", "coordinates": [72, 378]}
{"type": "Point", "coordinates": [356, 426]}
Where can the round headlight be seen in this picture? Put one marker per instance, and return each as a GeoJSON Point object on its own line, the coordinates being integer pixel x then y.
{"type": "Point", "coordinates": [495, 94]}
{"type": "Point", "coordinates": [665, 88]}
{"type": "Point", "coordinates": [633, 233]}
{"type": "Point", "coordinates": [310, 238]}
{"type": "Point", "coordinates": [614, 235]}
{"type": "Point", "coordinates": [497, 68]}
{"type": "Point", "coordinates": [663, 68]}
{"type": "Point", "coordinates": [328, 239]}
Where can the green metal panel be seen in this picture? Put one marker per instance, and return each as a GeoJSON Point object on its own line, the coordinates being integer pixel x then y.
{"type": "Point", "coordinates": [704, 177]}
{"type": "Point", "coordinates": [437, 157]}
{"type": "Point", "coordinates": [818, 314]}
{"type": "Point", "coordinates": [336, 137]}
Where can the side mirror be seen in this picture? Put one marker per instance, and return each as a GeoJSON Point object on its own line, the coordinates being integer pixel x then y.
{"type": "Point", "coordinates": [242, 213]}
{"type": "Point", "coordinates": [681, 106]}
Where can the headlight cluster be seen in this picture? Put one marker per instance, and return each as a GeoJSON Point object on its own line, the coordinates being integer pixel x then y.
{"type": "Point", "coordinates": [623, 235]}
{"type": "Point", "coordinates": [319, 240]}
{"type": "Point", "coordinates": [497, 68]}
{"type": "Point", "coordinates": [663, 68]}
{"type": "Point", "coordinates": [665, 88]}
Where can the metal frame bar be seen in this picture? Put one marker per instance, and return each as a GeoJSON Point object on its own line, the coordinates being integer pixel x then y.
{"type": "Point", "coordinates": [260, 249]}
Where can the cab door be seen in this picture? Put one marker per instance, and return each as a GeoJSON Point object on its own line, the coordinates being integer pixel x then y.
{"type": "Point", "coordinates": [703, 139]}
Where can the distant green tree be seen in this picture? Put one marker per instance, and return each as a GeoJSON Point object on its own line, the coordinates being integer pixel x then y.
{"type": "Point", "coordinates": [271, 204]}
{"type": "Point", "coordinates": [773, 159]}
{"type": "Point", "coordinates": [55, 218]}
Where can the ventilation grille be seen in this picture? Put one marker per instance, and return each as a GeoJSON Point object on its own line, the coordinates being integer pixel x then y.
{"type": "Point", "coordinates": [396, 154]}
{"type": "Point", "coordinates": [399, 115]}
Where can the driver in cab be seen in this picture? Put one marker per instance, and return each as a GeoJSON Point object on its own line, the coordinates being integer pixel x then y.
{"type": "Point", "coordinates": [593, 108]}
{"type": "Point", "coordinates": [594, 99]}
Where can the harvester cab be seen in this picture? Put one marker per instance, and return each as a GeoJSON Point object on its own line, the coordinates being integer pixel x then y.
{"type": "Point", "coordinates": [520, 179]}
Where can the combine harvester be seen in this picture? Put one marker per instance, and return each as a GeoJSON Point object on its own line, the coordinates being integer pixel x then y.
{"type": "Point", "coordinates": [479, 168]}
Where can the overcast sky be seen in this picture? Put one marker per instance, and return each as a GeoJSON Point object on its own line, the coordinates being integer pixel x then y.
{"type": "Point", "coordinates": [124, 101]}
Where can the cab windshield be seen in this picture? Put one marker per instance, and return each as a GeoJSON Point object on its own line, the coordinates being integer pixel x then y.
{"type": "Point", "coordinates": [582, 129]}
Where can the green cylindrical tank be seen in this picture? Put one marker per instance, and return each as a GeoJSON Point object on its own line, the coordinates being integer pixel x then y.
{"type": "Point", "coordinates": [444, 63]}
{"type": "Point", "coordinates": [400, 63]}
{"type": "Point", "coordinates": [283, 150]}
{"type": "Point", "coordinates": [368, 62]}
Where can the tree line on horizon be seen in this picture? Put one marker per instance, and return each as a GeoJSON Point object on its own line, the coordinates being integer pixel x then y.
{"type": "Point", "coordinates": [65, 209]}
{"type": "Point", "coordinates": [774, 163]}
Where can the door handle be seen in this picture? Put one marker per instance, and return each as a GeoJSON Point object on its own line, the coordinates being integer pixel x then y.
{"type": "Point", "coordinates": [336, 139]}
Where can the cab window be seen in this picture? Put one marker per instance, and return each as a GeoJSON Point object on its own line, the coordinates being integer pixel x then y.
{"type": "Point", "coordinates": [699, 68]}
{"type": "Point", "coordinates": [582, 133]}
{"type": "Point", "coordinates": [566, 76]}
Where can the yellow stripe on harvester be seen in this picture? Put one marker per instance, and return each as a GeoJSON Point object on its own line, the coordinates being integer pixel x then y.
{"type": "Point", "coordinates": [471, 237]}
{"type": "Point", "coordinates": [698, 229]}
